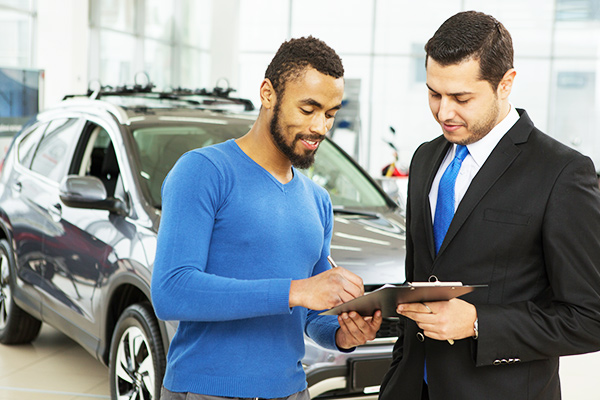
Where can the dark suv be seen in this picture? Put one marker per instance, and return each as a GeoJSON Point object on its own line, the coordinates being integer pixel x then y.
{"type": "Point", "coordinates": [80, 207]}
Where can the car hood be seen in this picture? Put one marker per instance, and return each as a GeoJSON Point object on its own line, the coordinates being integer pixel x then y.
{"type": "Point", "coordinates": [370, 244]}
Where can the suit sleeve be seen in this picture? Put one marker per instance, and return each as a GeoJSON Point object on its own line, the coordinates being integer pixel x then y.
{"type": "Point", "coordinates": [565, 319]}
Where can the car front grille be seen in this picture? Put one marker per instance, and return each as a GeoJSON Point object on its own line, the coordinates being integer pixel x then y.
{"type": "Point", "coordinates": [389, 328]}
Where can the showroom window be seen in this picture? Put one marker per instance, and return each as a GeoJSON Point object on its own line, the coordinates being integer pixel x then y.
{"type": "Point", "coordinates": [17, 27]}
{"type": "Point", "coordinates": [168, 41]}
{"type": "Point", "coordinates": [557, 58]}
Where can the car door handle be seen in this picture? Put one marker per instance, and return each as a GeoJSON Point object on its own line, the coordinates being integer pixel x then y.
{"type": "Point", "coordinates": [55, 211]}
{"type": "Point", "coordinates": [17, 186]}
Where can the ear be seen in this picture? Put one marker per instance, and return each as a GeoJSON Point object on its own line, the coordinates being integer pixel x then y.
{"type": "Point", "coordinates": [267, 94]}
{"type": "Point", "coordinates": [505, 85]}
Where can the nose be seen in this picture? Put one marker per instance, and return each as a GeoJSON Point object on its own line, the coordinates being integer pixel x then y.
{"type": "Point", "coordinates": [446, 111]}
{"type": "Point", "coordinates": [320, 124]}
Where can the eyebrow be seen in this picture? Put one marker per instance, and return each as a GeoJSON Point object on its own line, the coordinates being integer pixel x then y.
{"type": "Point", "coordinates": [457, 94]}
{"type": "Point", "coordinates": [314, 103]}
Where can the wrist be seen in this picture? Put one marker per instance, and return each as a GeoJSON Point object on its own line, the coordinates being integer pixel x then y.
{"type": "Point", "coordinates": [476, 329]}
{"type": "Point", "coordinates": [295, 298]}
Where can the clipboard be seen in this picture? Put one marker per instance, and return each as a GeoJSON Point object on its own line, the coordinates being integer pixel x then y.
{"type": "Point", "coordinates": [387, 297]}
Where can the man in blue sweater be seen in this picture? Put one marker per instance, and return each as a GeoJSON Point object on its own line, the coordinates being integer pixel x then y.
{"type": "Point", "coordinates": [243, 244]}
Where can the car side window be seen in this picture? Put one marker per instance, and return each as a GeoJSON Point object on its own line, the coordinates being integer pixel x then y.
{"type": "Point", "coordinates": [99, 159]}
{"type": "Point", "coordinates": [53, 155]}
{"type": "Point", "coordinates": [28, 144]}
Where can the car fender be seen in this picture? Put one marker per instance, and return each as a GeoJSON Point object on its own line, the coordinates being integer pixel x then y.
{"type": "Point", "coordinates": [129, 284]}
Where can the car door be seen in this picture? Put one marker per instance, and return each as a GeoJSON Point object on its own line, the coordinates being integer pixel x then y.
{"type": "Point", "coordinates": [80, 245]}
{"type": "Point", "coordinates": [21, 203]}
{"type": "Point", "coordinates": [66, 288]}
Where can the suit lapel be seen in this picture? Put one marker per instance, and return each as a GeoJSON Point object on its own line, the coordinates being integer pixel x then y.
{"type": "Point", "coordinates": [494, 167]}
{"type": "Point", "coordinates": [438, 155]}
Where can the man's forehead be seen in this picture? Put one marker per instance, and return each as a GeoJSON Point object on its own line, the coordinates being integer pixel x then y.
{"type": "Point", "coordinates": [454, 79]}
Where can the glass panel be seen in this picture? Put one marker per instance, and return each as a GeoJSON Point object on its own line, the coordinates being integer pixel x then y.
{"type": "Point", "coordinates": [15, 46]}
{"type": "Point", "coordinates": [196, 23]}
{"type": "Point", "coordinates": [529, 23]}
{"type": "Point", "coordinates": [399, 101]}
{"type": "Point", "coordinates": [252, 72]}
{"type": "Point", "coordinates": [345, 25]}
{"type": "Point", "coordinates": [160, 147]}
{"type": "Point", "coordinates": [195, 69]}
{"type": "Point", "coordinates": [116, 14]}
{"type": "Point", "coordinates": [264, 24]}
{"type": "Point", "coordinates": [157, 63]}
{"type": "Point", "coordinates": [577, 10]}
{"type": "Point", "coordinates": [159, 18]}
{"type": "Point", "coordinates": [346, 185]}
{"type": "Point", "coordinates": [575, 107]}
{"type": "Point", "coordinates": [399, 24]}
{"type": "Point", "coordinates": [54, 153]}
{"type": "Point", "coordinates": [25, 5]}
{"type": "Point", "coordinates": [117, 52]}
{"type": "Point", "coordinates": [28, 144]}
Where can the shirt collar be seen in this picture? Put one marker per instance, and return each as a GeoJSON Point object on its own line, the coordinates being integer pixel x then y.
{"type": "Point", "coordinates": [482, 149]}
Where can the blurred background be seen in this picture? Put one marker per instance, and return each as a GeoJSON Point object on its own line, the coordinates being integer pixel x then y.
{"type": "Point", "coordinates": [57, 47]}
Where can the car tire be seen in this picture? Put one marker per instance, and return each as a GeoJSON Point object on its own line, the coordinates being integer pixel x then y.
{"type": "Point", "coordinates": [137, 358]}
{"type": "Point", "coordinates": [16, 325]}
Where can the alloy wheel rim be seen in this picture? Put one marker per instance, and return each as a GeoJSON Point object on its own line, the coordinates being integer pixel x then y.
{"type": "Point", "coordinates": [4, 290]}
{"type": "Point", "coordinates": [134, 370]}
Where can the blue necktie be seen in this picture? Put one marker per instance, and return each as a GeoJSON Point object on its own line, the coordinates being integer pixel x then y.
{"type": "Point", "coordinates": [444, 210]}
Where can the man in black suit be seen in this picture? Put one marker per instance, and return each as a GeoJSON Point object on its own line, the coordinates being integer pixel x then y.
{"type": "Point", "coordinates": [526, 223]}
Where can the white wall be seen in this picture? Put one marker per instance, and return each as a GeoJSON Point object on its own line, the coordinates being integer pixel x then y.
{"type": "Point", "coordinates": [62, 47]}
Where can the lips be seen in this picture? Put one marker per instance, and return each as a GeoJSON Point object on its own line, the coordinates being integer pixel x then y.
{"type": "Point", "coordinates": [451, 128]}
{"type": "Point", "coordinates": [310, 144]}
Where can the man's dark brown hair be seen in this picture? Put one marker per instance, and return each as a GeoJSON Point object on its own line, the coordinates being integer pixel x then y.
{"type": "Point", "coordinates": [473, 35]}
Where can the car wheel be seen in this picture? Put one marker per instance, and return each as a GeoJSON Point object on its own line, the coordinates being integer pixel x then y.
{"type": "Point", "coordinates": [137, 358]}
{"type": "Point", "coordinates": [16, 325]}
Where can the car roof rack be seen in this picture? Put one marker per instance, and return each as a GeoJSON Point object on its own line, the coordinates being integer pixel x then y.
{"type": "Point", "coordinates": [216, 99]}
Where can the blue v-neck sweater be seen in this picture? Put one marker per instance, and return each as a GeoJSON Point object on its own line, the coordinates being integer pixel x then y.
{"type": "Point", "coordinates": [231, 240]}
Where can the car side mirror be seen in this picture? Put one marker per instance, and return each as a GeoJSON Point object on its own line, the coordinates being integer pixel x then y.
{"type": "Point", "coordinates": [88, 192]}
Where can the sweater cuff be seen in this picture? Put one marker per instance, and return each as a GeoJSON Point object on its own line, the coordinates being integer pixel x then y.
{"type": "Point", "coordinates": [279, 295]}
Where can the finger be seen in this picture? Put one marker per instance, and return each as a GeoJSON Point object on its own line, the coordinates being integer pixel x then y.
{"type": "Point", "coordinates": [420, 317]}
{"type": "Point", "coordinates": [348, 328]}
{"type": "Point", "coordinates": [427, 309]}
{"type": "Point", "coordinates": [377, 319]}
{"type": "Point", "coordinates": [412, 307]}
{"type": "Point", "coordinates": [356, 325]}
{"type": "Point", "coordinates": [356, 286]}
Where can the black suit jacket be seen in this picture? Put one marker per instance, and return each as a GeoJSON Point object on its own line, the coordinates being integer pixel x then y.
{"type": "Point", "coordinates": [529, 228]}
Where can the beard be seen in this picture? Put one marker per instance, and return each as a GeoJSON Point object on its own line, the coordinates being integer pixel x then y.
{"type": "Point", "coordinates": [483, 126]}
{"type": "Point", "coordinates": [299, 160]}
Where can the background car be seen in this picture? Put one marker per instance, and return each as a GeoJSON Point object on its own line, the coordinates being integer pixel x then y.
{"type": "Point", "coordinates": [80, 208]}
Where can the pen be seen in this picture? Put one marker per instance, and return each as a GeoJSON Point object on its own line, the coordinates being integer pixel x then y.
{"type": "Point", "coordinates": [333, 264]}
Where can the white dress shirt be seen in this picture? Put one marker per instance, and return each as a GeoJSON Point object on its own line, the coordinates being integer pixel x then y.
{"type": "Point", "coordinates": [478, 154]}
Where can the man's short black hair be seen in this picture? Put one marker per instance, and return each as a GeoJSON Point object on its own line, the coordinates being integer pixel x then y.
{"type": "Point", "coordinates": [473, 35]}
{"type": "Point", "coordinates": [295, 55]}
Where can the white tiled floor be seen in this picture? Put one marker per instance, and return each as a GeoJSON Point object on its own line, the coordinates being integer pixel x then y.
{"type": "Point", "coordinates": [54, 367]}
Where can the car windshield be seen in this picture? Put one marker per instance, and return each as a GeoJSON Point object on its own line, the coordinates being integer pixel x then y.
{"type": "Point", "coordinates": [160, 146]}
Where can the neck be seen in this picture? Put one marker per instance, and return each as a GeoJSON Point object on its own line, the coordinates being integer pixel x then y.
{"type": "Point", "coordinates": [258, 144]}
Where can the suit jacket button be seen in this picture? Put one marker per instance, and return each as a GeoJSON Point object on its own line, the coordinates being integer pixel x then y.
{"type": "Point", "coordinates": [496, 362]}
{"type": "Point", "coordinates": [420, 337]}
{"type": "Point", "coordinates": [504, 361]}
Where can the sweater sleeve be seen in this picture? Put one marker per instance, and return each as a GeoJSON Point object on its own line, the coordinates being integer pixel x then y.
{"type": "Point", "coordinates": [192, 194]}
{"type": "Point", "coordinates": [322, 328]}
